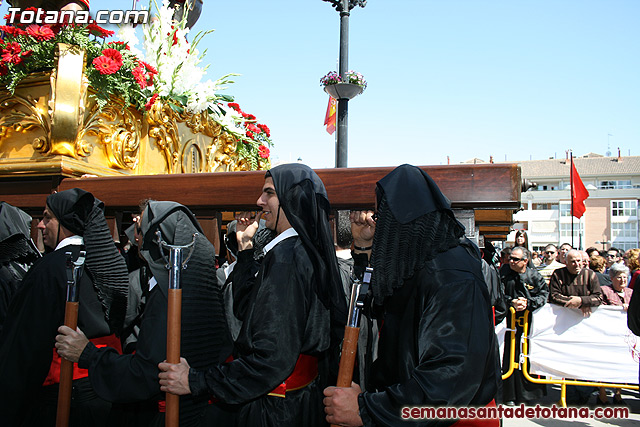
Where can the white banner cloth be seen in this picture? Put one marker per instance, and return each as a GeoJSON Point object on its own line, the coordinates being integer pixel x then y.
{"type": "Point", "coordinates": [564, 344]}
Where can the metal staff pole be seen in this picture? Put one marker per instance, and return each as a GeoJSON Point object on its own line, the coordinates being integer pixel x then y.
{"type": "Point", "coordinates": [74, 272]}
{"type": "Point", "coordinates": [175, 264]}
{"type": "Point", "coordinates": [352, 330]}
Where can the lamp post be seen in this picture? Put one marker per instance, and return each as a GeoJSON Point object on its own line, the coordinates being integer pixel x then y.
{"type": "Point", "coordinates": [343, 7]}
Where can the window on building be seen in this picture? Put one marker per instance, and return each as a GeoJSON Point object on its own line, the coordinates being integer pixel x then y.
{"type": "Point", "coordinates": [624, 224]}
{"type": "Point", "coordinates": [547, 187]}
{"type": "Point", "coordinates": [624, 208]}
{"type": "Point", "coordinates": [565, 209]}
{"type": "Point", "coordinates": [615, 185]}
{"type": "Point", "coordinates": [544, 206]}
{"type": "Point", "coordinates": [565, 231]}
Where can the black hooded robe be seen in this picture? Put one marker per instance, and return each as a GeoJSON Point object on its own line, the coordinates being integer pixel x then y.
{"type": "Point", "coordinates": [37, 310]}
{"type": "Point", "coordinates": [204, 336]}
{"type": "Point", "coordinates": [17, 253]}
{"type": "Point", "coordinates": [286, 312]}
{"type": "Point", "coordinates": [437, 343]}
{"type": "Point", "coordinates": [28, 340]}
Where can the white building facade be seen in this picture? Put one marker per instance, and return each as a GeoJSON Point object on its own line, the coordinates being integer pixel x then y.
{"type": "Point", "coordinates": [611, 217]}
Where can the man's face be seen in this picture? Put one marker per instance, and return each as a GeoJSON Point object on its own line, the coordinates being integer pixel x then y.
{"type": "Point", "coordinates": [517, 262]}
{"type": "Point", "coordinates": [612, 257]}
{"type": "Point", "coordinates": [574, 262]}
{"type": "Point", "coordinates": [585, 259]}
{"type": "Point", "coordinates": [550, 254]}
{"type": "Point", "coordinates": [269, 203]}
{"type": "Point", "coordinates": [563, 252]}
{"type": "Point", "coordinates": [48, 226]}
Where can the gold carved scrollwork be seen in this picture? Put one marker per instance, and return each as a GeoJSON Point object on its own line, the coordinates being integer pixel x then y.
{"type": "Point", "coordinates": [23, 114]}
{"type": "Point", "coordinates": [118, 131]}
{"type": "Point", "coordinates": [163, 126]}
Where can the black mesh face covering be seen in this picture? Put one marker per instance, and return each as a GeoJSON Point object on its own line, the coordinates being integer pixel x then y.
{"type": "Point", "coordinates": [427, 228]}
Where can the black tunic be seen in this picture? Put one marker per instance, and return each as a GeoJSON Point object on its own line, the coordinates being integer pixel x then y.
{"type": "Point", "coordinates": [437, 343]}
{"type": "Point", "coordinates": [28, 336]}
{"type": "Point", "coordinates": [282, 318]}
{"type": "Point", "coordinates": [532, 286]}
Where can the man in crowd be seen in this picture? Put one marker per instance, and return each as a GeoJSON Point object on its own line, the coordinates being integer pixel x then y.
{"type": "Point", "coordinates": [549, 262]}
{"type": "Point", "coordinates": [204, 335]}
{"type": "Point", "coordinates": [524, 289]}
{"type": "Point", "coordinates": [30, 369]}
{"type": "Point", "coordinates": [562, 252]}
{"type": "Point", "coordinates": [613, 257]}
{"type": "Point", "coordinates": [293, 311]}
{"type": "Point", "coordinates": [17, 253]}
{"type": "Point", "coordinates": [437, 344]}
{"type": "Point", "coordinates": [574, 286]}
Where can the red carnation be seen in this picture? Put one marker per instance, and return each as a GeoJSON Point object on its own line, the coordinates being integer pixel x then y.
{"type": "Point", "coordinates": [113, 54]}
{"type": "Point", "coordinates": [12, 31]}
{"type": "Point", "coordinates": [235, 106]}
{"type": "Point", "coordinates": [13, 54]}
{"type": "Point", "coordinates": [139, 76]}
{"type": "Point", "coordinates": [265, 129]}
{"type": "Point", "coordinates": [151, 101]}
{"type": "Point", "coordinates": [263, 152]}
{"type": "Point", "coordinates": [106, 65]}
{"type": "Point", "coordinates": [98, 31]}
{"type": "Point", "coordinates": [4, 70]}
{"type": "Point", "coordinates": [253, 128]}
{"type": "Point", "coordinates": [40, 32]}
{"type": "Point", "coordinates": [249, 135]}
{"type": "Point", "coordinates": [149, 68]}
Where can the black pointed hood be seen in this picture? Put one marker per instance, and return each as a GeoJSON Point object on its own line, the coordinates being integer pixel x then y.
{"type": "Point", "coordinates": [304, 200]}
{"type": "Point", "coordinates": [415, 223]}
{"type": "Point", "coordinates": [15, 236]}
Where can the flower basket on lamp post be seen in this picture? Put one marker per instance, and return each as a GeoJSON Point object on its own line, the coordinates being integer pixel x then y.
{"type": "Point", "coordinates": [343, 90]}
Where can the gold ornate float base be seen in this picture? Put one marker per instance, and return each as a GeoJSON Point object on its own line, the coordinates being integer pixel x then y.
{"type": "Point", "coordinates": [49, 126]}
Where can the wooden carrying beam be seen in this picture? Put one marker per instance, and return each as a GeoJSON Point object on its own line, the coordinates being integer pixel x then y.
{"type": "Point", "coordinates": [492, 186]}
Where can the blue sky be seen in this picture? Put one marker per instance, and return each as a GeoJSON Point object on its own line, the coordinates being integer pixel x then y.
{"type": "Point", "coordinates": [515, 79]}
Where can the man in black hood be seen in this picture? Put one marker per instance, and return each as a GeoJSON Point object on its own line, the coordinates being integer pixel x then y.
{"type": "Point", "coordinates": [204, 335]}
{"type": "Point", "coordinates": [17, 253]}
{"type": "Point", "coordinates": [293, 311]}
{"type": "Point", "coordinates": [30, 369]}
{"type": "Point", "coordinates": [437, 343]}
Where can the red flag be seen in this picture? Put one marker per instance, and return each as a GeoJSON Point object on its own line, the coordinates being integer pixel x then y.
{"type": "Point", "coordinates": [330, 117]}
{"type": "Point", "coordinates": [579, 193]}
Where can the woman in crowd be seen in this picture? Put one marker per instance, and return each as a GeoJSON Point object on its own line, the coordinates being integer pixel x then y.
{"type": "Point", "coordinates": [598, 264]}
{"type": "Point", "coordinates": [631, 260]}
{"type": "Point", "coordinates": [522, 239]}
{"type": "Point", "coordinates": [616, 294]}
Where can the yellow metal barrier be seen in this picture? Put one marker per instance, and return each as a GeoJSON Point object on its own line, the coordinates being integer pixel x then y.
{"type": "Point", "coordinates": [559, 381]}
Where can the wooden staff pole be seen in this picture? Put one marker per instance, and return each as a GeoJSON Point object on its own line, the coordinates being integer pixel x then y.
{"type": "Point", "coordinates": [66, 371]}
{"type": "Point", "coordinates": [70, 320]}
{"type": "Point", "coordinates": [174, 324]}
{"type": "Point", "coordinates": [352, 331]}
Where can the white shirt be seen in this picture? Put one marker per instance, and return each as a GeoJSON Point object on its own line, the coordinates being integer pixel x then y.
{"type": "Point", "coordinates": [289, 232]}
{"type": "Point", "coordinates": [71, 240]}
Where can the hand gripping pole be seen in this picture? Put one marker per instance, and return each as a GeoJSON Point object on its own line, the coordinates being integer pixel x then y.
{"type": "Point", "coordinates": [175, 264]}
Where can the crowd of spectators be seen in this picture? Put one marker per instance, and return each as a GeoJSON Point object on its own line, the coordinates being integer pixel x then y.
{"type": "Point", "coordinates": [568, 277]}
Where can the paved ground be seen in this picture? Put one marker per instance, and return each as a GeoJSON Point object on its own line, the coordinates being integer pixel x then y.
{"type": "Point", "coordinates": [631, 397]}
